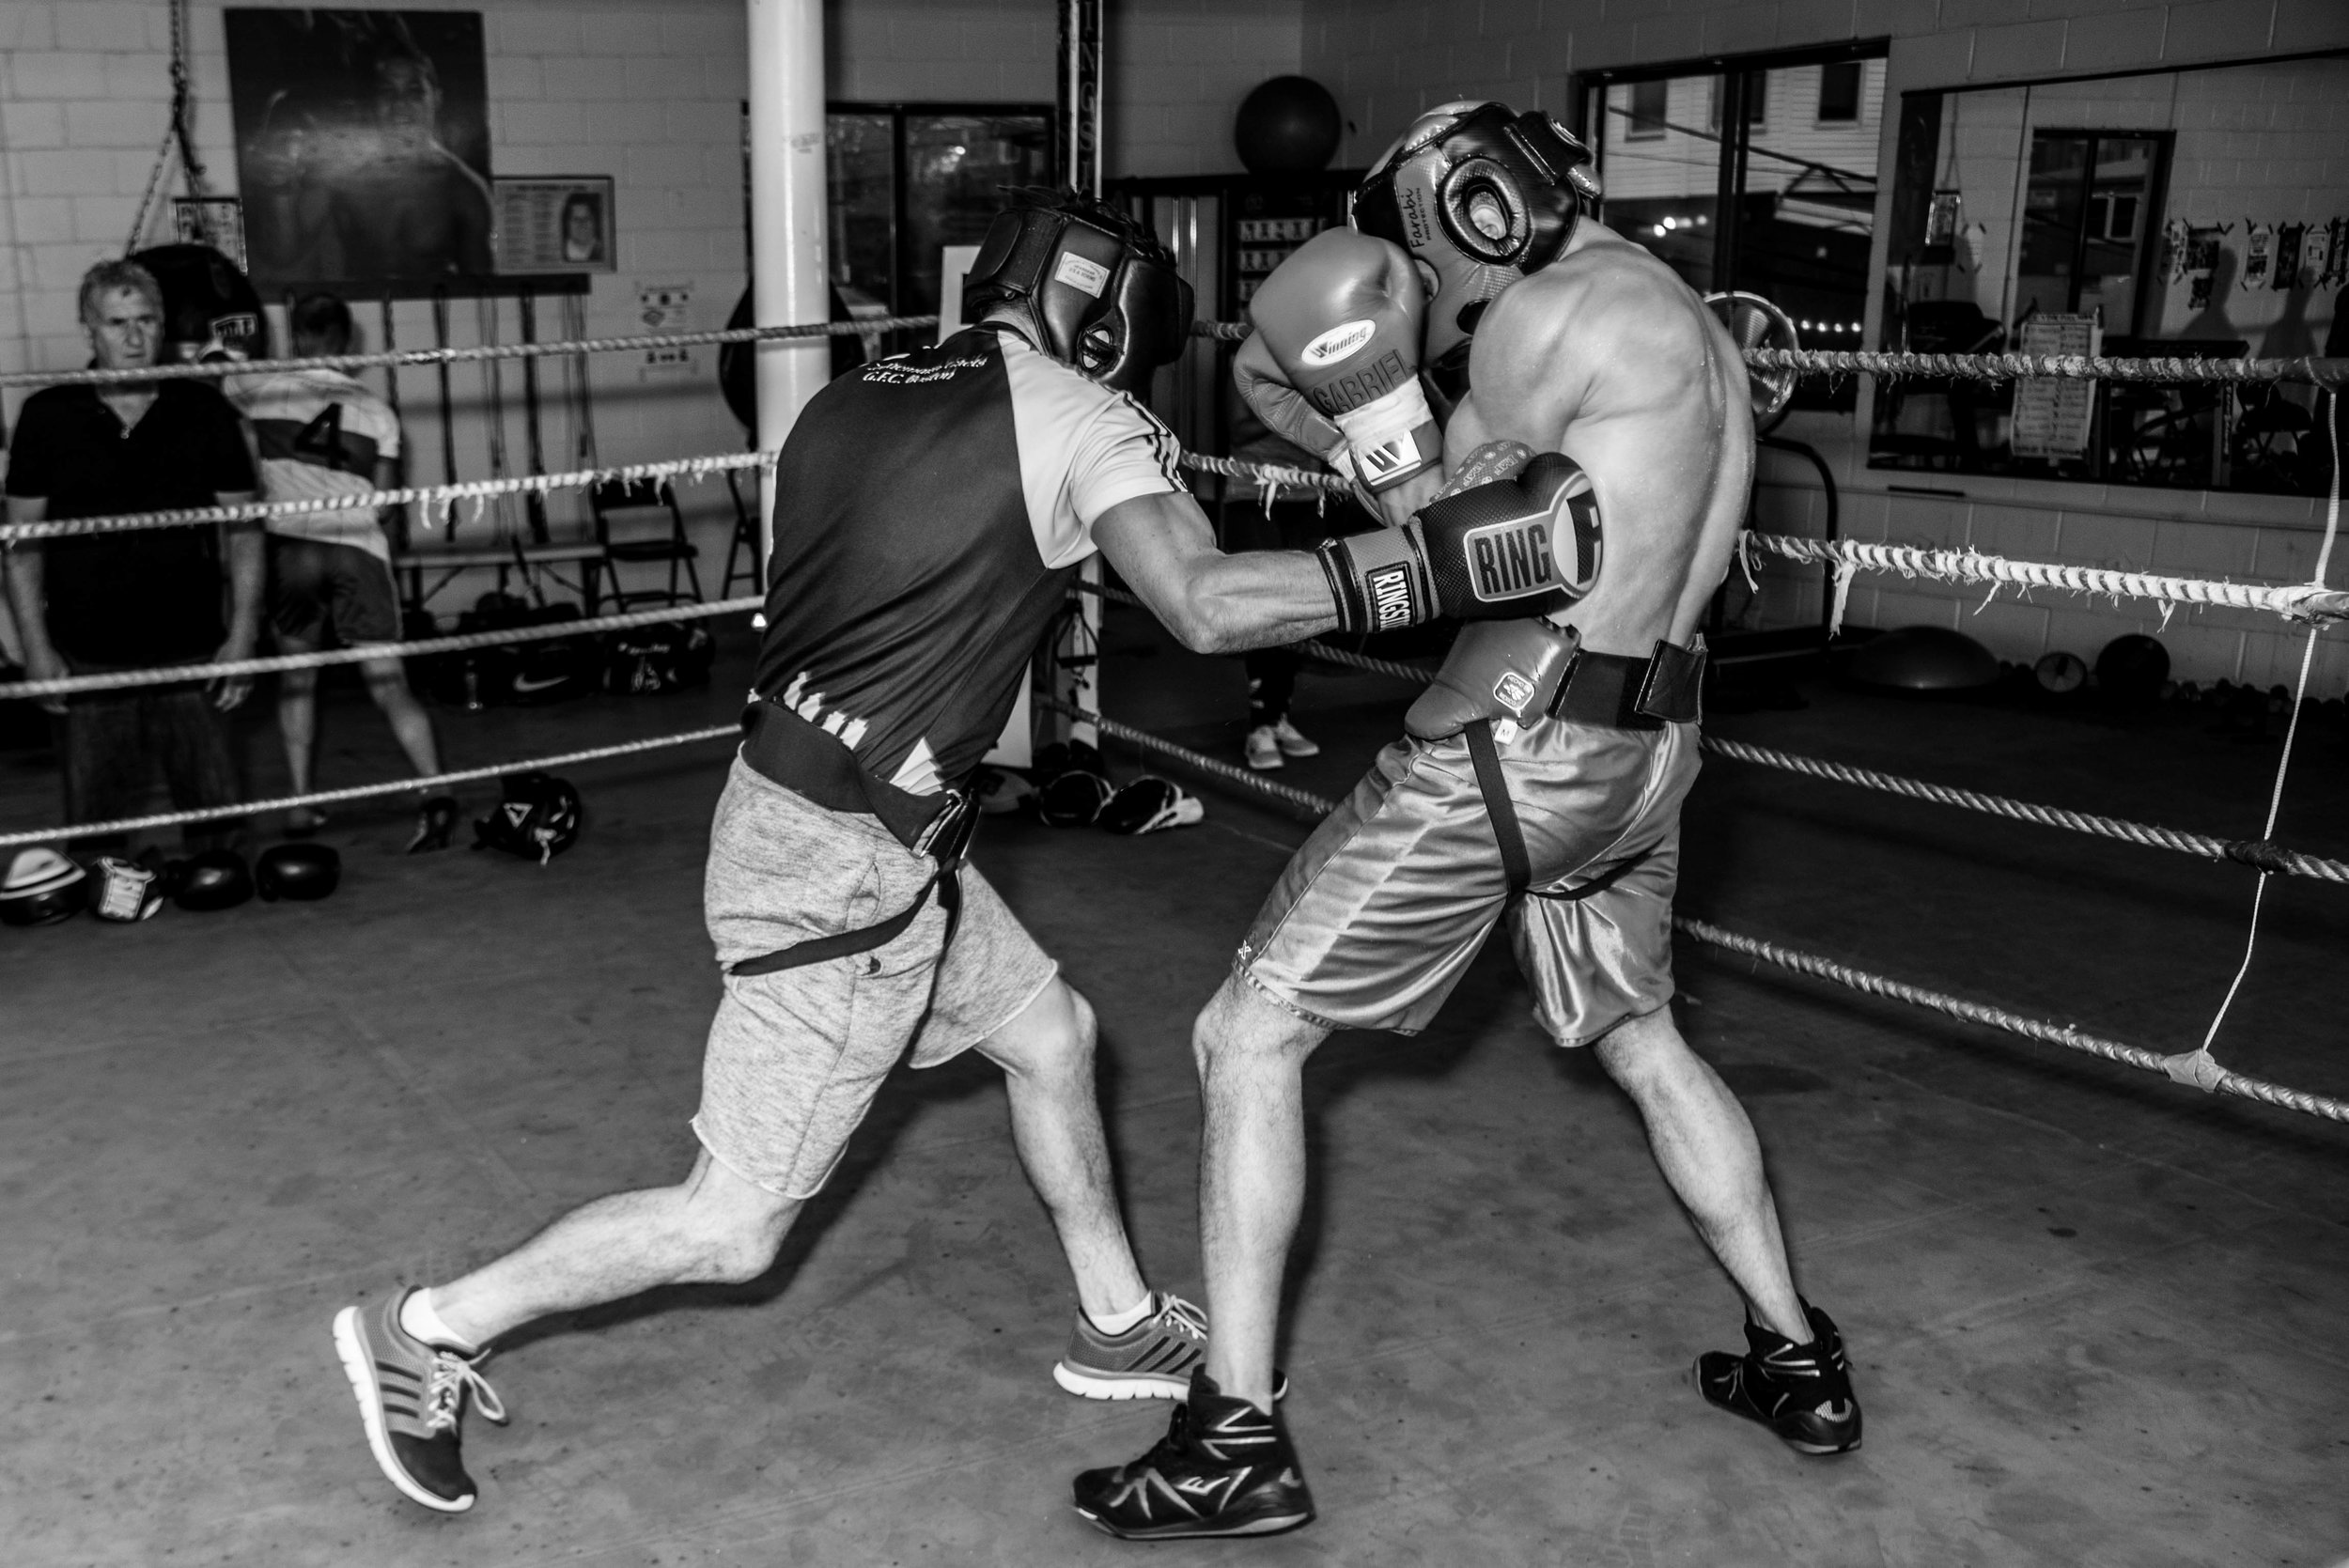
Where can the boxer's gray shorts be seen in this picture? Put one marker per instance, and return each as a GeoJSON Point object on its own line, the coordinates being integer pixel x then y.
{"type": "Point", "coordinates": [795, 1057]}
{"type": "Point", "coordinates": [1377, 916]}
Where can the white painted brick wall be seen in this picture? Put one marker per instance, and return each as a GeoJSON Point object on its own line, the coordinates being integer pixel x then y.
{"type": "Point", "coordinates": [1389, 59]}
{"type": "Point", "coordinates": [648, 93]}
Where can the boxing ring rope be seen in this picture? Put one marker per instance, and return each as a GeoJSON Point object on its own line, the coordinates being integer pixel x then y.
{"type": "Point", "coordinates": [2303, 601]}
{"type": "Point", "coordinates": [394, 358]}
{"type": "Point", "coordinates": [2182, 1068]}
{"type": "Point", "coordinates": [2316, 369]}
{"type": "Point", "coordinates": [362, 792]}
{"type": "Point", "coordinates": [463, 642]}
{"type": "Point", "coordinates": [437, 500]}
{"type": "Point", "coordinates": [2259, 854]}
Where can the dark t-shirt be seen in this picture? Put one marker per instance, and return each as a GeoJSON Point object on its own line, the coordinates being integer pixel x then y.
{"type": "Point", "coordinates": [148, 597]}
{"type": "Point", "coordinates": [932, 507]}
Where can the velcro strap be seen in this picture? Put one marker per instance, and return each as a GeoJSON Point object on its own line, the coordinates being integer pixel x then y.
{"type": "Point", "coordinates": [1381, 579]}
{"type": "Point", "coordinates": [847, 944]}
{"type": "Point", "coordinates": [1393, 438]}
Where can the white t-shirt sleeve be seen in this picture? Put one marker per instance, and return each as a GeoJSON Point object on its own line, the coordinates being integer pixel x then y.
{"type": "Point", "coordinates": [1083, 450]}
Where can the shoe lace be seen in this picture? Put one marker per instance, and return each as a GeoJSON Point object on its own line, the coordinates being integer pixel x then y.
{"type": "Point", "coordinates": [1183, 1317]}
{"type": "Point", "coordinates": [446, 1384]}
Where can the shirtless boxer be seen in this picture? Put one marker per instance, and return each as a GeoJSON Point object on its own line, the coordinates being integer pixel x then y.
{"type": "Point", "coordinates": [1544, 771]}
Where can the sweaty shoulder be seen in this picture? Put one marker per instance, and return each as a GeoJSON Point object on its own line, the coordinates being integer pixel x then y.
{"type": "Point", "coordinates": [1609, 319]}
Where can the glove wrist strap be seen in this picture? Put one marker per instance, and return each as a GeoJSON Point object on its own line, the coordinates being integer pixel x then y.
{"type": "Point", "coordinates": [1393, 438]}
{"type": "Point", "coordinates": [1381, 578]}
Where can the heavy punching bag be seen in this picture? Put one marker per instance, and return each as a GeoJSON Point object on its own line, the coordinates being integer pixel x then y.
{"type": "Point", "coordinates": [210, 308]}
{"type": "Point", "coordinates": [737, 363]}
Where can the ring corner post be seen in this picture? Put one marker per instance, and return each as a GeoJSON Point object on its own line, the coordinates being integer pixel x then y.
{"type": "Point", "coordinates": [788, 219]}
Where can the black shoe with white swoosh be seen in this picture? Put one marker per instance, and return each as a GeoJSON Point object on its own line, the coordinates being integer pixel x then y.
{"type": "Point", "coordinates": [1801, 1391]}
{"type": "Point", "coordinates": [1224, 1468]}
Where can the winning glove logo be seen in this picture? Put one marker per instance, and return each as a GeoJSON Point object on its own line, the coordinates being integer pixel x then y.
{"type": "Point", "coordinates": [1339, 342]}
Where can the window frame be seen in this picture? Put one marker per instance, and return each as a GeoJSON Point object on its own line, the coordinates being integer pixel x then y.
{"type": "Point", "coordinates": [900, 111]}
{"type": "Point", "coordinates": [1588, 97]}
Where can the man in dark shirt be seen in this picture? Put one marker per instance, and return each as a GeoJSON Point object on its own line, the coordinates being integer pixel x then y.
{"type": "Point", "coordinates": [142, 598]}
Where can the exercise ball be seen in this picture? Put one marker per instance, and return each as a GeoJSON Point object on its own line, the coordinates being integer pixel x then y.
{"type": "Point", "coordinates": [2131, 670]}
{"type": "Point", "coordinates": [210, 308]}
{"type": "Point", "coordinates": [1925, 659]}
{"type": "Point", "coordinates": [1288, 125]}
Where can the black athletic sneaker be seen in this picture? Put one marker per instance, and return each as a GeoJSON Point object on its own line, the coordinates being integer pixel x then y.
{"type": "Point", "coordinates": [1224, 1468]}
{"type": "Point", "coordinates": [1801, 1391]}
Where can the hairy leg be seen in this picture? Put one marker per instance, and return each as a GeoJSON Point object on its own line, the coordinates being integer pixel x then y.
{"type": "Point", "coordinates": [298, 715]}
{"type": "Point", "coordinates": [1046, 1057]}
{"type": "Point", "coordinates": [712, 1227]}
{"type": "Point", "coordinates": [1251, 1176]}
{"type": "Point", "coordinates": [410, 726]}
{"type": "Point", "coordinates": [1706, 1149]}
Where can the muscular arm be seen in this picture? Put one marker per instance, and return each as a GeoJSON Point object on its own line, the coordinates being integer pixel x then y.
{"type": "Point", "coordinates": [1213, 602]}
{"type": "Point", "coordinates": [29, 601]}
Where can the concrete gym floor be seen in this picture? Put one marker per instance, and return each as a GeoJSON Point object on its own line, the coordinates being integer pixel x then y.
{"type": "Point", "coordinates": [2096, 1317]}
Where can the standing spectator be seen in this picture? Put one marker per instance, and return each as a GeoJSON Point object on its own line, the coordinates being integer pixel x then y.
{"type": "Point", "coordinates": [136, 599]}
{"type": "Point", "coordinates": [322, 434]}
{"type": "Point", "coordinates": [1291, 517]}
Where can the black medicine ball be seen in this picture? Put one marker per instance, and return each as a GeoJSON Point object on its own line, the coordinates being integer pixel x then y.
{"type": "Point", "coordinates": [2131, 669]}
{"type": "Point", "coordinates": [297, 871]}
{"type": "Point", "coordinates": [1288, 125]}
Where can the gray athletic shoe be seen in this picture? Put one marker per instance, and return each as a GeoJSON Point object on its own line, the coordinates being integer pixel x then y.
{"type": "Point", "coordinates": [412, 1396]}
{"type": "Point", "coordinates": [1153, 1360]}
{"type": "Point", "coordinates": [1150, 1360]}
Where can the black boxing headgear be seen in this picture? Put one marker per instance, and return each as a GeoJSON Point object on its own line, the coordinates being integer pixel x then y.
{"type": "Point", "coordinates": [1096, 288]}
{"type": "Point", "coordinates": [1480, 197]}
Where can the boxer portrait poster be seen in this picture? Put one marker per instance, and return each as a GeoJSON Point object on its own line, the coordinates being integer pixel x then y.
{"type": "Point", "coordinates": [362, 147]}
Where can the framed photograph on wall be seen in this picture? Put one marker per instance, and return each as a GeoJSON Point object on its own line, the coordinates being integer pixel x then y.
{"type": "Point", "coordinates": [559, 222]}
{"type": "Point", "coordinates": [362, 147]}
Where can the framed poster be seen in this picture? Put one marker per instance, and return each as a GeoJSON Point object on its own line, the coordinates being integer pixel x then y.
{"type": "Point", "coordinates": [557, 224]}
{"type": "Point", "coordinates": [362, 147]}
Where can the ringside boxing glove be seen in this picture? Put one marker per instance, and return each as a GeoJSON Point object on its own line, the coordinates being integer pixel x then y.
{"type": "Point", "coordinates": [1527, 543]}
{"type": "Point", "coordinates": [1339, 323]}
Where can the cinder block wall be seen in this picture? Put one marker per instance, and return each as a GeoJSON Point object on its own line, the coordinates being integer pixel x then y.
{"type": "Point", "coordinates": [650, 94]}
{"type": "Point", "coordinates": [1388, 59]}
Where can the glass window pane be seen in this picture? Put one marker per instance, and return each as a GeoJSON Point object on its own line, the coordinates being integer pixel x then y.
{"type": "Point", "coordinates": [1663, 182]}
{"type": "Point", "coordinates": [955, 166]}
{"type": "Point", "coordinates": [1807, 215]}
{"type": "Point", "coordinates": [1838, 92]}
{"type": "Point", "coordinates": [860, 163]}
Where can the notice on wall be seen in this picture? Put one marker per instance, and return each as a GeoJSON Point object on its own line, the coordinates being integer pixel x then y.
{"type": "Point", "coordinates": [2051, 416]}
{"type": "Point", "coordinates": [665, 307]}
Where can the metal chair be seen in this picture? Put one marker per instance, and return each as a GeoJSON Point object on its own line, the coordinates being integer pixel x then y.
{"type": "Point", "coordinates": [620, 500]}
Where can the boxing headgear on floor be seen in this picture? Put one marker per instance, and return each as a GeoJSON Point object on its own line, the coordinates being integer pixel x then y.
{"type": "Point", "coordinates": [297, 871]}
{"type": "Point", "coordinates": [1093, 287]}
{"type": "Point", "coordinates": [41, 888]}
{"type": "Point", "coordinates": [536, 817]}
{"type": "Point", "coordinates": [1149, 805]}
{"type": "Point", "coordinates": [1480, 197]}
{"type": "Point", "coordinates": [215, 879]}
{"type": "Point", "coordinates": [126, 889]}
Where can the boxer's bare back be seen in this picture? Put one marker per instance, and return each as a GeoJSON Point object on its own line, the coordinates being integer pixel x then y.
{"type": "Point", "coordinates": [1607, 356]}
